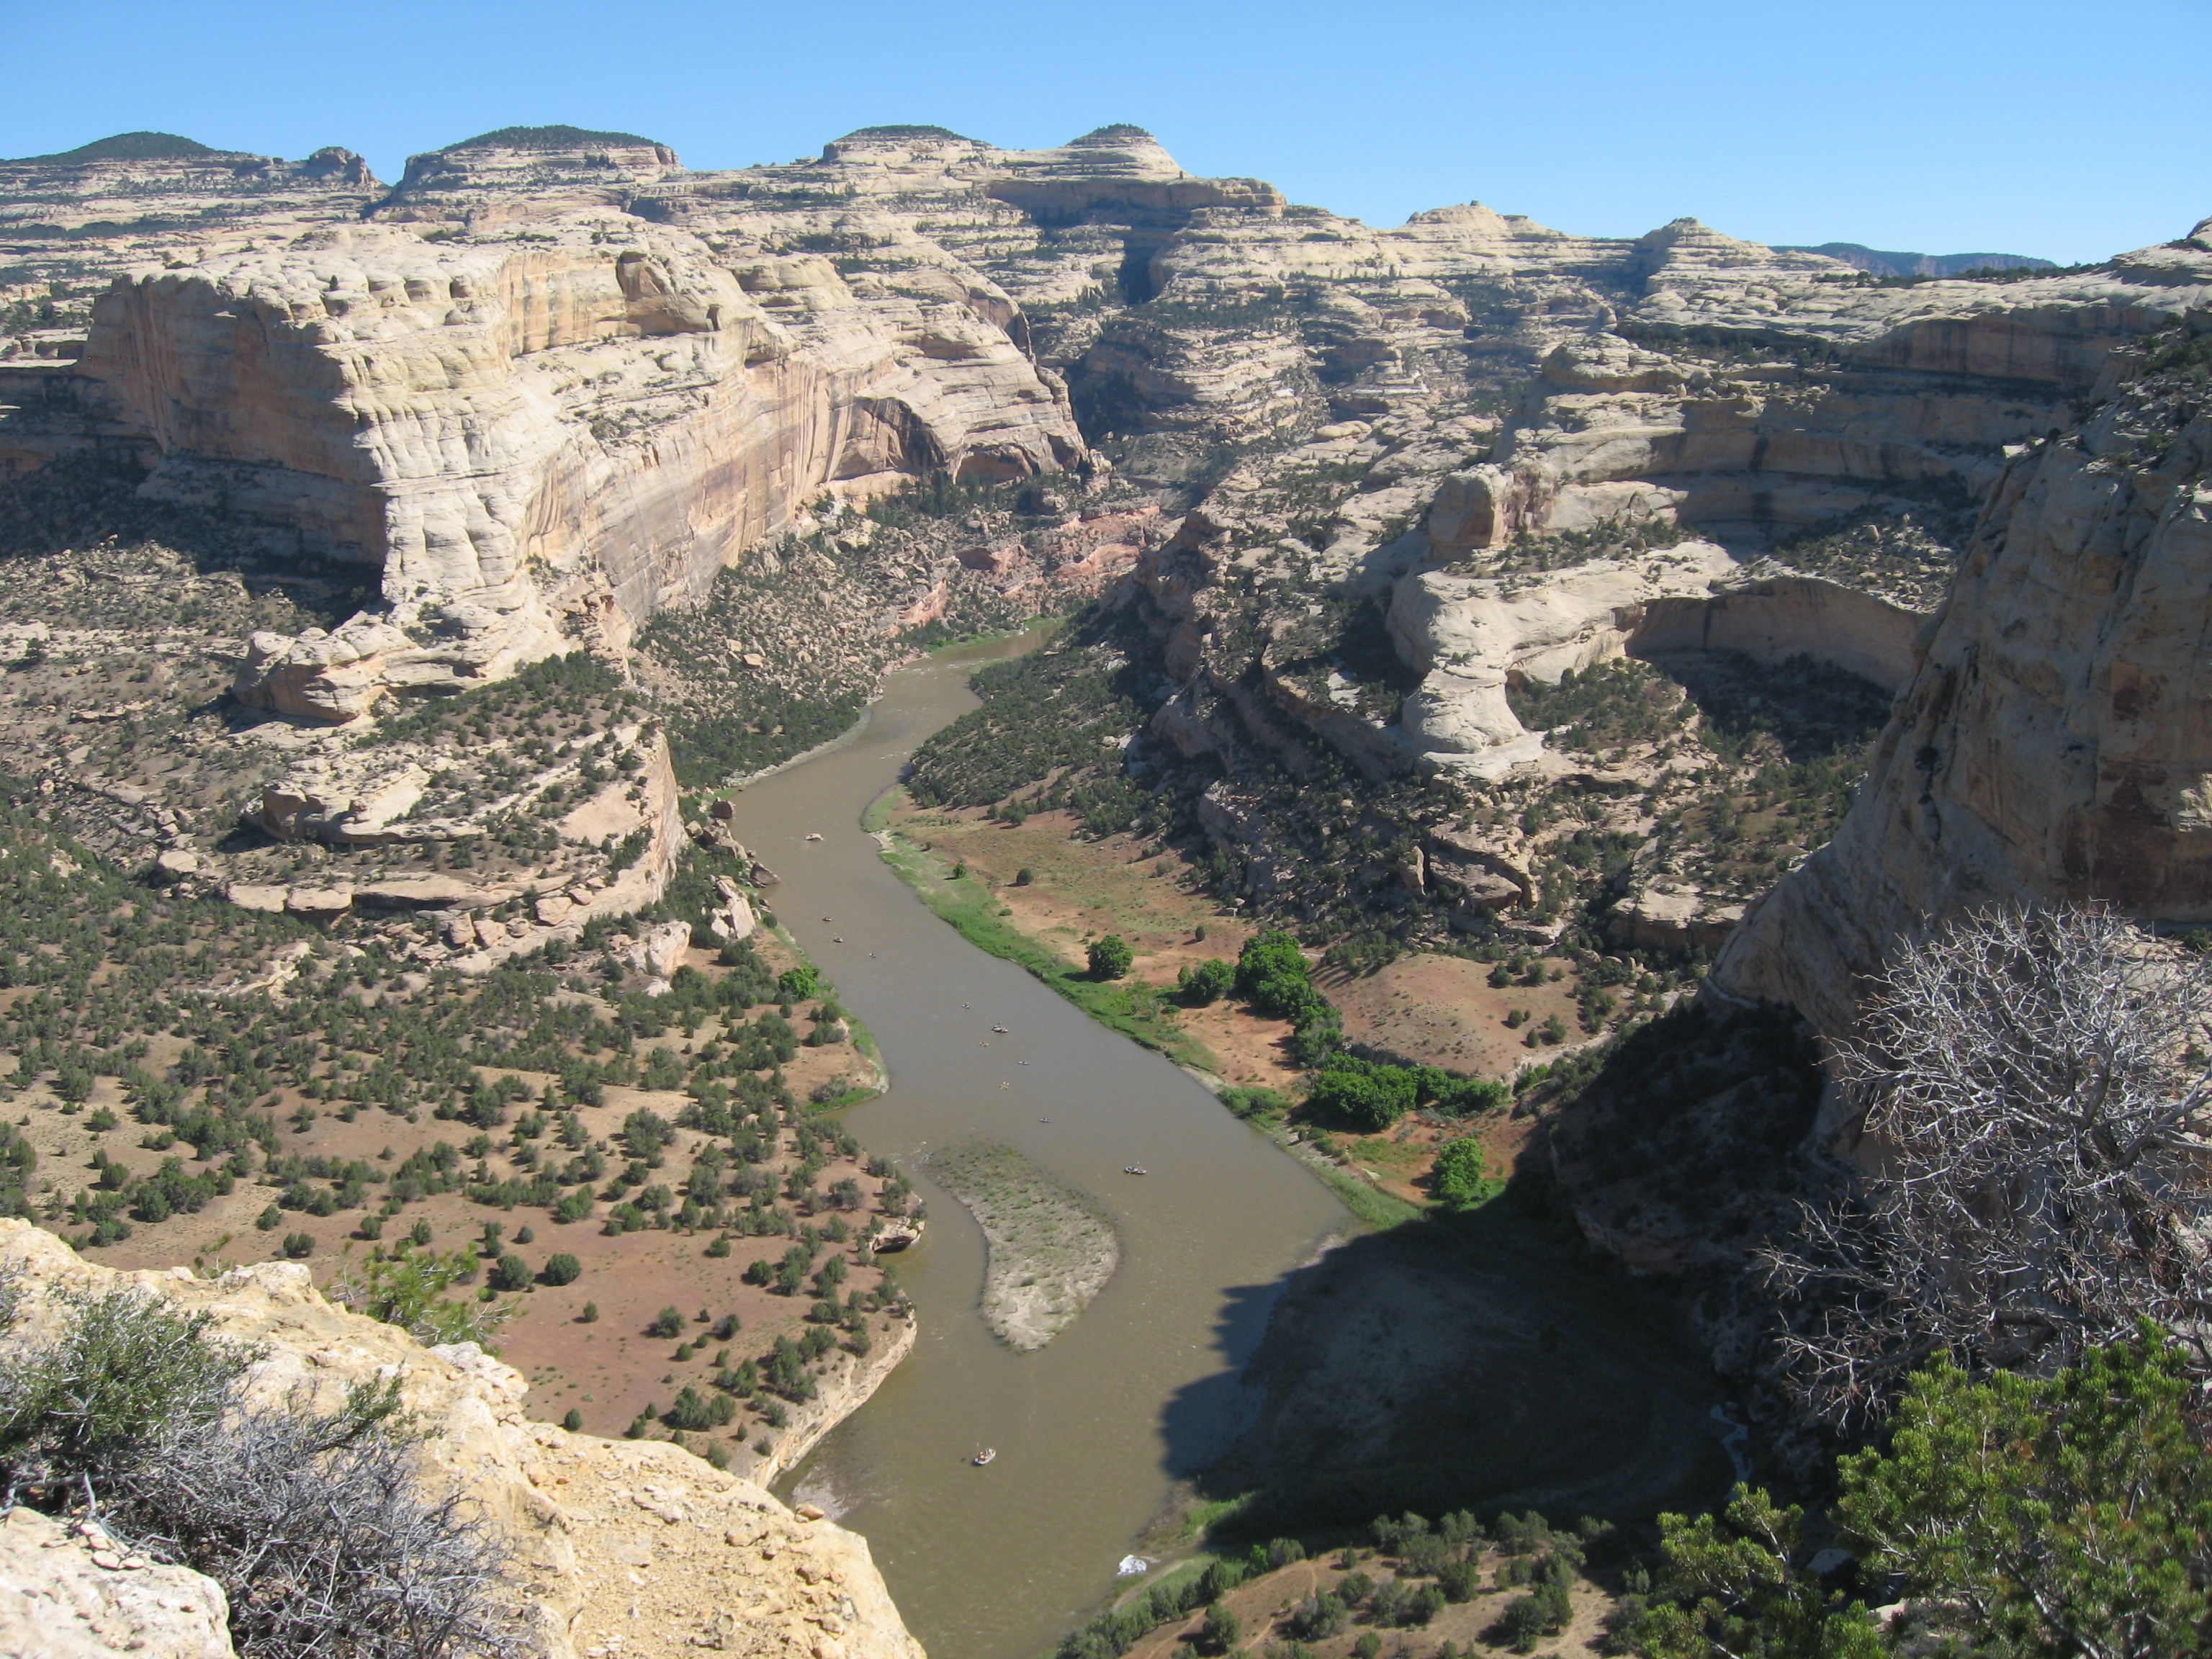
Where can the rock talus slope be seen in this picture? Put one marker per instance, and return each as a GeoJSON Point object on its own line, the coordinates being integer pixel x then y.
{"type": "Point", "coordinates": [619, 1548]}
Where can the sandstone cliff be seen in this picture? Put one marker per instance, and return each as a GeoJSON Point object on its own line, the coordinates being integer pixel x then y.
{"type": "Point", "coordinates": [2051, 744]}
{"type": "Point", "coordinates": [549, 399]}
{"type": "Point", "coordinates": [619, 1548]}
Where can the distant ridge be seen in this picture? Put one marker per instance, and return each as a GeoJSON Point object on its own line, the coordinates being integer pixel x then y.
{"type": "Point", "coordinates": [1118, 132]}
{"type": "Point", "coordinates": [906, 132]}
{"type": "Point", "coordinates": [552, 138]}
{"type": "Point", "coordinates": [135, 147]}
{"type": "Point", "coordinates": [1883, 263]}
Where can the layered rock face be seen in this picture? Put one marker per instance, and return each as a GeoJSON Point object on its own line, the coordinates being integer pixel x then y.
{"type": "Point", "coordinates": [556, 380]}
{"type": "Point", "coordinates": [631, 1547]}
{"type": "Point", "coordinates": [539, 400]}
{"type": "Point", "coordinates": [1718, 448]}
{"type": "Point", "coordinates": [2053, 744]}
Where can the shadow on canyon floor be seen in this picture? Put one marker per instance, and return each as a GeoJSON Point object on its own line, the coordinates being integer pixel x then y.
{"type": "Point", "coordinates": [1482, 1361]}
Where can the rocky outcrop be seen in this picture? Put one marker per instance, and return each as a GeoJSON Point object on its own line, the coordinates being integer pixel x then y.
{"type": "Point", "coordinates": [1771, 615]}
{"type": "Point", "coordinates": [552, 389]}
{"type": "Point", "coordinates": [70, 1591]}
{"type": "Point", "coordinates": [1470, 636]}
{"type": "Point", "coordinates": [633, 1547]}
{"type": "Point", "coordinates": [489, 423]}
{"type": "Point", "coordinates": [2051, 744]}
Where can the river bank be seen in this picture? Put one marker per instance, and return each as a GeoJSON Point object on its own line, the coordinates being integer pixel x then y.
{"type": "Point", "coordinates": [1258, 1359]}
{"type": "Point", "coordinates": [849, 1383]}
{"type": "Point", "coordinates": [1223, 1045]}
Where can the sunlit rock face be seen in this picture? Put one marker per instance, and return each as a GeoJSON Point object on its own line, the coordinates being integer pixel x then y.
{"type": "Point", "coordinates": [2053, 743]}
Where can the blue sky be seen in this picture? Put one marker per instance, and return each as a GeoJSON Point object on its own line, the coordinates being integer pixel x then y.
{"type": "Point", "coordinates": [2071, 132]}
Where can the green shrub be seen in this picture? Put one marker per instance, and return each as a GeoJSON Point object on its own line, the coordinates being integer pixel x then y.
{"type": "Point", "coordinates": [1272, 974]}
{"type": "Point", "coordinates": [665, 1323]}
{"type": "Point", "coordinates": [2047, 1515]}
{"type": "Point", "coordinates": [1200, 983]}
{"type": "Point", "coordinates": [1222, 1631]}
{"type": "Point", "coordinates": [1460, 1580]}
{"type": "Point", "coordinates": [1461, 1174]}
{"type": "Point", "coordinates": [409, 1291]}
{"type": "Point", "coordinates": [1317, 1618]}
{"type": "Point", "coordinates": [509, 1273]}
{"type": "Point", "coordinates": [1111, 957]}
{"type": "Point", "coordinates": [1367, 1099]}
{"type": "Point", "coordinates": [299, 1246]}
{"type": "Point", "coordinates": [1255, 1102]}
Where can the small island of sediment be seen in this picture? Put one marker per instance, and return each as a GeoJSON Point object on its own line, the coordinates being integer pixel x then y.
{"type": "Point", "coordinates": [1052, 1249]}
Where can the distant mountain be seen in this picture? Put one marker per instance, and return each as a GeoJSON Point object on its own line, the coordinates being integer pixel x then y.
{"type": "Point", "coordinates": [1883, 263]}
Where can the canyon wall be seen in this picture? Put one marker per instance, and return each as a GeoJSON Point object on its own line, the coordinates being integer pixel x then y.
{"type": "Point", "coordinates": [553, 375]}
{"type": "Point", "coordinates": [504, 391]}
{"type": "Point", "coordinates": [2053, 744]}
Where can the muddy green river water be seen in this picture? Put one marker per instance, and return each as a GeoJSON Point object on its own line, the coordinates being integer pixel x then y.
{"type": "Point", "coordinates": [1091, 1431]}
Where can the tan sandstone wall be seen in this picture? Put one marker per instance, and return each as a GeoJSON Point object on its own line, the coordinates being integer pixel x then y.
{"type": "Point", "coordinates": [2055, 742]}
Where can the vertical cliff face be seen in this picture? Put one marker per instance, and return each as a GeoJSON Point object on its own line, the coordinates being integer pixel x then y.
{"type": "Point", "coordinates": [2054, 743]}
{"type": "Point", "coordinates": [541, 401]}
{"type": "Point", "coordinates": [454, 410]}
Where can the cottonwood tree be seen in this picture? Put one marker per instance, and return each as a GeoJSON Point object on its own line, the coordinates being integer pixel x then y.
{"type": "Point", "coordinates": [2036, 1086]}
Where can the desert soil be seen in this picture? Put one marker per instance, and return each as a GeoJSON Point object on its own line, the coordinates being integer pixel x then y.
{"type": "Point", "coordinates": [607, 1368]}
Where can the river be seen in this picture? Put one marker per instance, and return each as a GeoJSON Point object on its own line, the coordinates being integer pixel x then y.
{"type": "Point", "coordinates": [1091, 1431]}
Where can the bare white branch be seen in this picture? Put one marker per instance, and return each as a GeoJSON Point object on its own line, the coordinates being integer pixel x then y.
{"type": "Point", "coordinates": [2035, 1090]}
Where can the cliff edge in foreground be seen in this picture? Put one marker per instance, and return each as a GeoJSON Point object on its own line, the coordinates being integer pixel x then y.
{"type": "Point", "coordinates": [630, 1548]}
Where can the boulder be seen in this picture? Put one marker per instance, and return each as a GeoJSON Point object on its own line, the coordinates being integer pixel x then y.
{"type": "Point", "coordinates": [659, 953]}
{"type": "Point", "coordinates": [177, 861]}
{"type": "Point", "coordinates": [735, 920]}
{"type": "Point", "coordinates": [896, 1233]}
{"type": "Point", "coordinates": [319, 903]}
{"type": "Point", "coordinates": [351, 799]}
